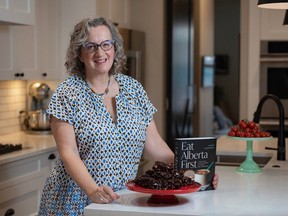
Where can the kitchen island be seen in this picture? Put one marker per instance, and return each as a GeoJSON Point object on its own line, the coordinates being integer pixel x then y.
{"type": "Point", "coordinates": [264, 193]}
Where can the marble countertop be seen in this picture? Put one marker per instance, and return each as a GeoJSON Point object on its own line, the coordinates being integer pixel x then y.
{"type": "Point", "coordinates": [32, 144]}
{"type": "Point", "coordinates": [264, 193]}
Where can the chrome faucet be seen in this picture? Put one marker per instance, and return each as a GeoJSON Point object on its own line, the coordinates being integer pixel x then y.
{"type": "Point", "coordinates": [281, 152]}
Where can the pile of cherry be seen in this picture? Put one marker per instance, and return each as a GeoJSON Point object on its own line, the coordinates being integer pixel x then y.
{"type": "Point", "coordinates": [246, 128]}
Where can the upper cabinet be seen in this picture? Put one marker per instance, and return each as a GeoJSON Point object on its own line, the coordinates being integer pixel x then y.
{"type": "Point", "coordinates": [48, 39]}
{"type": "Point", "coordinates": [272, 27]}
{"type": "Point", "coordinates": [37, 51]}
{"type": "Point", "coordinates": [19, 12]}
{"type": "Point", "coordinates": [115, 10]}
{"type": "Point", "coordinates": [32, 52]}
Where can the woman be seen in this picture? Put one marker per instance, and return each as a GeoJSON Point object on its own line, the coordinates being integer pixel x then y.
{"type": "Point", "coordinates": [101, 121]}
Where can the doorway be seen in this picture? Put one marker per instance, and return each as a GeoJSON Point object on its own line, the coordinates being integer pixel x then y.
{"type": "Point", "coordinates": [227, 52]}
{"type": "Point", "coordinates": [180, 48]}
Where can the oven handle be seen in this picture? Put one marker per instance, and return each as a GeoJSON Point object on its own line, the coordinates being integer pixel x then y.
{"type": "Point", "coordinates": [274, 59]}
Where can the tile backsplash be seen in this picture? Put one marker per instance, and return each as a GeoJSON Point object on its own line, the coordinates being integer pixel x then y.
{"type": "Point", "coordinates": [13, 96]}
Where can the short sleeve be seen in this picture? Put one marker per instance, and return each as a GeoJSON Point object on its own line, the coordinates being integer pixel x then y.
{"type": "Point", "coordinates": [62, 106]}
{"type": "Point", "coordinates": [148, 108]}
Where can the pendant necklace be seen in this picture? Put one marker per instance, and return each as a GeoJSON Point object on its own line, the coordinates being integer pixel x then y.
{"type": "Point", "coordinates": [106, 91]}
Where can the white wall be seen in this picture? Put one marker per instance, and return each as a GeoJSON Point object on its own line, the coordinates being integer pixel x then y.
{"type": "Point", "coordinates": [204, 45]}
{"type": "Point", "coordinates": [148, 16]}
{"type": "Point", "coordinates": [249, 58]}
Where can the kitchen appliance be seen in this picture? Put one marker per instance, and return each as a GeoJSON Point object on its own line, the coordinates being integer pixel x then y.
{"type": "Point", "coordinates": [134, 46]}
{"type": "Point", "coordinates": [274, 76]}
{"type": "Point", "coordinates": [36, 119]}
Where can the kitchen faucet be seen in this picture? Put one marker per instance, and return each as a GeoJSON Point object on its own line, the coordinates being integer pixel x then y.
{"type": "Point", "coordinates": [281, 152]}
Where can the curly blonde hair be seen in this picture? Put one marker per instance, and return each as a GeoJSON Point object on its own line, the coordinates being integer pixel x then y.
{"type": "Point", "coordinates": [80, 36]}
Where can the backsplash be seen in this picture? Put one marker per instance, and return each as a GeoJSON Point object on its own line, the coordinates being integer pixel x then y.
{"type": "Point", "coordinates": [13, 96]}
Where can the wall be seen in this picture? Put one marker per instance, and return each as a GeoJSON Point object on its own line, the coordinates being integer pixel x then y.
{"type": "Point", "coordinates": [12, 100]}
{"type": "Point", "coordinates": [249, 58]}
{"type": "Point", "coordinates": [152, 23]}
{"type": "Point", "coordinates": [204, 45]}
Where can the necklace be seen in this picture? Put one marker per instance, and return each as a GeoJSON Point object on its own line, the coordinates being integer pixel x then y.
{"type": "Point", "coordinates": [106, 91]}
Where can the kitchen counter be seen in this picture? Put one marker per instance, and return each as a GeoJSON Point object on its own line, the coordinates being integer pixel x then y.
{"type": "Point", "coordinates": [32, 144]}
{"type": "Point", "coordinates": [264, 193]}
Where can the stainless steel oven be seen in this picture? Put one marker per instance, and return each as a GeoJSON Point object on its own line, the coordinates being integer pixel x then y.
{"type": "Point", "coordinates": [274, 76]}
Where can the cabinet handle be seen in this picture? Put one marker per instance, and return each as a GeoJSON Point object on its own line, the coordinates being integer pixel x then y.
{"type": "Point", "coordinates": [19, 74]}
{"type": "Point", "coordinates": [51, 157]}
{"type": "Point", "coordinates": [44, 74]}
{"type": "Point", "coordinates": [9, 212]}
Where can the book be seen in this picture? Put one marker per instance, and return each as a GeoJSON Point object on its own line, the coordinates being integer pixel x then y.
{"type": "Point", "coordinates": [197, 156]}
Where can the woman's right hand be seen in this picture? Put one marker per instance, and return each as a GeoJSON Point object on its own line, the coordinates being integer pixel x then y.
{"type": "Point", "coordinates": [103, 194]}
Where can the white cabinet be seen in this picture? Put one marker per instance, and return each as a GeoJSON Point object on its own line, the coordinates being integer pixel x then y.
{"type": "Point", "coordinates": [32, 52]}
{"type": "Point", "coordinates": [272, 27]}
{"type": "Point", "coordinates": [48, 39]}
{"type": "Point", "coordinates": [21, 184]}
{"type": "Point", "coordinates": [6, 54]}
{"type": "Point", "coordinates": [116, 10]}
{"type": "Point", "coordinates": [17, 12]}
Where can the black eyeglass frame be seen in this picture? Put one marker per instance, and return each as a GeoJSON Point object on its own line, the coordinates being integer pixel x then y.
{"type": "Point", "coordinates": [94, 46]}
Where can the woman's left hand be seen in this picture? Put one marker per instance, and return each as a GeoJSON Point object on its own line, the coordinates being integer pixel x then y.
{"type": "Point", "coordinates": [215, 181]}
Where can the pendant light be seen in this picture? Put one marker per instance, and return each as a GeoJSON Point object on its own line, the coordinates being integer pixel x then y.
{"type": "Point", "coordinates": [273, 4]}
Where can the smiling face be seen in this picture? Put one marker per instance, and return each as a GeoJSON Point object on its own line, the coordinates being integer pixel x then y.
{"type": "Point", "coordinates": [100, 61]}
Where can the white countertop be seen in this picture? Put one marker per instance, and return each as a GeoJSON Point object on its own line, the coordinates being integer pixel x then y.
{"type": "Point", "coordinates": [237, 194]}
{"type": "Point", "coordinates": [32, 144]}
{"type": "Point", "coordinates": [264, 193]}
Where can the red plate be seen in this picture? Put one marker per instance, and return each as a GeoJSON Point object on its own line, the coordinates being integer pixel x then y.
{"type": "Point", "coordinates": [187, 189]}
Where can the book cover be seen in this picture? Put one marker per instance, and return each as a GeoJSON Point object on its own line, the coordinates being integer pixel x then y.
{"type": "Point", "coordinates": [197, 156]}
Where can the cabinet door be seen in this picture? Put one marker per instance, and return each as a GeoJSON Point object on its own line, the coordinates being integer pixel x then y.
{"type": "Point", "coordinates": [48, 38]}
{"type": "Point", "coordinates": [6, 54]}
{"type": "Point", "coordinates": [17, 56]}
{"type": "Point", "coordinates": [32, 52]}
{"type": "Point", "coordinates": [24, 50]}
{"type": "Point", "coordinates": [272, 27]}
{"type": "Point", "coordinates": [115, 10]}
{"type": "Point", "coordinates": [26, 203]}
{"type": "Point", "coordinates": [22, 181]}
{"type": "Point", "coordinates": [20, 185]}
{"type": "Point", "coordinates": [17, 11]}
{"type": "Point", "coordinates": [36, 49]}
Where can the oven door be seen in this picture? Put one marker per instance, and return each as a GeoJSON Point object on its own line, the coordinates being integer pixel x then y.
{"type": "Point", "coordinates": [274, 80]}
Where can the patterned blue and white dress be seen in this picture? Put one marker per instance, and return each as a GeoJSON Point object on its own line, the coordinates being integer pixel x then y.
{"type": "Point", "coordinates": [111, 151]}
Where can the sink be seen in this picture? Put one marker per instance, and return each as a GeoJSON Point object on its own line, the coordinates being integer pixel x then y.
{"type": "Point", "coordinates": [236, 160]}
{"type": "Point", "coordinates": [277, 164]}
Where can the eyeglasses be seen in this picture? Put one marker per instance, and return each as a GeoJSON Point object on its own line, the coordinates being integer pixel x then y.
{"type": "Point", "coordinates": [93, 47]}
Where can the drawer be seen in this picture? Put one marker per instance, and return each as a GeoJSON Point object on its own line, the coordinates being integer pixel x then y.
{"type": "Point", "coordinates": [18, 190]}
{"type": "Point", "coordinates": [19, 169]}
{"type": "Point", "coordinates": [23, 199]}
